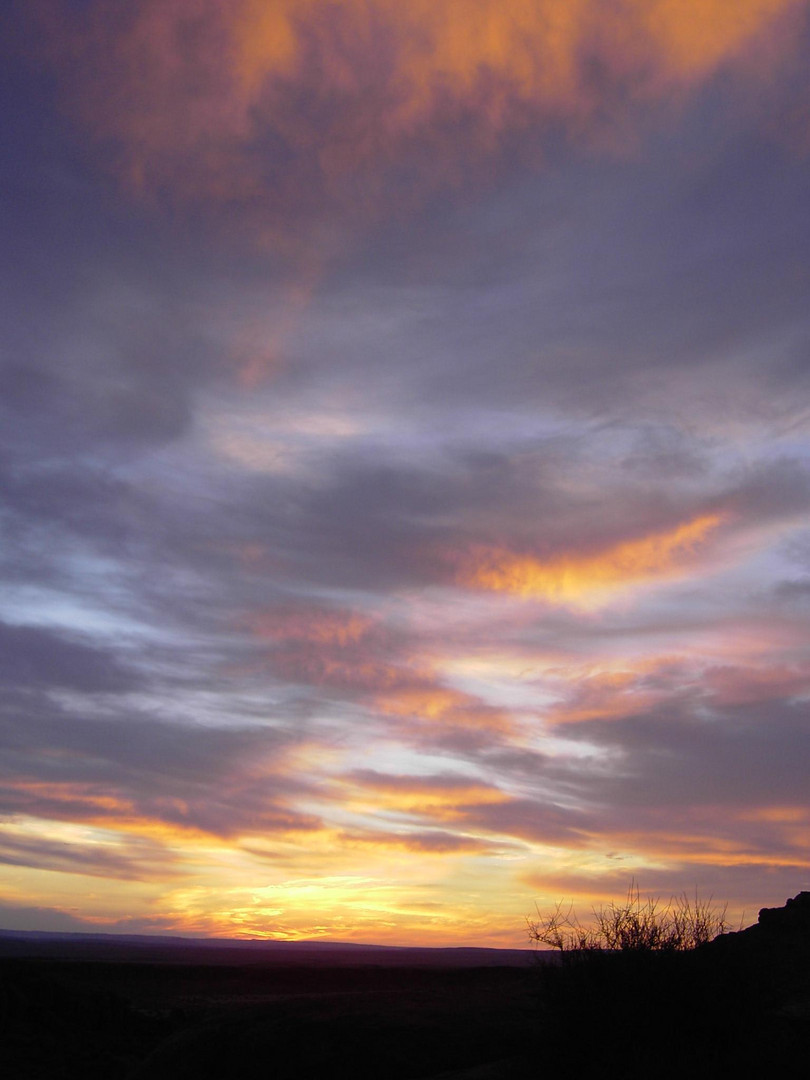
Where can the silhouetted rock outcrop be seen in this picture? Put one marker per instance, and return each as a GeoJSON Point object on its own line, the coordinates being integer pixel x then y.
{"type": "Point", "coordinates": [780, 936]}
{"type": "Point", "coordinates": [788, 925]}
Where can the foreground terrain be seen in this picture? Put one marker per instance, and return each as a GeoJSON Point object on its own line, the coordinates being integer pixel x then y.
{"type": "Point", "coordinates": [132, 1010]}
{"type": "Point", "coordinates": [202, 1013]}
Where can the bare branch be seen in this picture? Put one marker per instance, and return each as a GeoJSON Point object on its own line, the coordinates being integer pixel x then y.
{"type": "Point", "coordinates": [635, 925]}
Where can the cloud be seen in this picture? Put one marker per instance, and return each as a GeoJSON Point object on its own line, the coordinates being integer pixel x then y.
{"type": "Point", "coordinates": [48, 919]}
{"type": "Point", "coordinates": [136, 774]}
{"type": "Point", "coordinates": [382, 665]}
{"type": "Point", "coordinates": [585, 580]}
{"type": "Point", "coordinates": [745, 884]}
{"type": "Point", "coordinates": [430, 842]}
{"type": "Point", "coordinates": [475, 808]}
{"type": "Point", "coordinates": [320, 627]}
{"type": "Point", "coordinates": [425, 795]}
{"type": "Point", "coordinates": [695, 789]}
{"type": "Point", "coordinates": [133, 861]}
{"type": "Point", "coordinates": [291, 106]}
{"type": "Point", "coordinates": [701, 752]}
{"type": "Point", "coordinates": [38, 657]}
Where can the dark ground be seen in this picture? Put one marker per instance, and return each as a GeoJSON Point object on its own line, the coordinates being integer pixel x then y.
{"type": "Point", "coordinates": [90, 1019]}
{"type": "Point", "coordinates": [738, 1007]}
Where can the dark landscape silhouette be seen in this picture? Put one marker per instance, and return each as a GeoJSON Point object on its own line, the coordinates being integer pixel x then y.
{"type": "Point", "coordinates": [131, 1008]}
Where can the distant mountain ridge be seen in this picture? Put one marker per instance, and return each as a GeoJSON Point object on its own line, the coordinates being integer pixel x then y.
{"type": "Point", "coordinates": [175, 949]}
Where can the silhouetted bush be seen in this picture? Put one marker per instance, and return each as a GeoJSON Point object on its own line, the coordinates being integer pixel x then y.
{"type": "Point", "coordinates": [634, 925]}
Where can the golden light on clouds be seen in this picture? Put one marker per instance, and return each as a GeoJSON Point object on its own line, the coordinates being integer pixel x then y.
{"type": "Point", "coordinates": [436, 47]}
{"type": "Point", "coordinates": [281, 105]}
{"type": "Point", "coordinates": [695, 37]}
{"type": "Point", "coordinates": [426, 799]}
{"type": "Point", "coordinates": [587, 580]}
{"type": "Point", "coordinates": [536, 46]}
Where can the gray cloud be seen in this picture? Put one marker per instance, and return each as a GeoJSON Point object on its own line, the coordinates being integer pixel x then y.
{"type": "Point", "coordinates": [60, 764]}
{"type": "Point", "coordinates": [749, 755]}
{"type": "Point", "coordinates": [138, 861]}
{"type": "Point", "coordinates": [38, 657]}
{"type": "Point", "coordinates": [21, 917]}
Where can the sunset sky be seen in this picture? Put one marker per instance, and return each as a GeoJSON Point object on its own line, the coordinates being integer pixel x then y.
{"type": "Point", "coordinates": [405, 462]}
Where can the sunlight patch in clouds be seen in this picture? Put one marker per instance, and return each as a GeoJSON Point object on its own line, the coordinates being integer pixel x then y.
{"type": "Point", "coordinates": [586, 581]}
{"type": "Point", "coordinates": [273, 441]}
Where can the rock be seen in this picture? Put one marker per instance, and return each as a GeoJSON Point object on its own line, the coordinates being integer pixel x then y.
{"type": "Point", "coordinates": [793, 918]}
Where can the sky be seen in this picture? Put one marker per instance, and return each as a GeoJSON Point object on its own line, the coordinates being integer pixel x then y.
{"type": "Point", "coordinates": [404, 445]}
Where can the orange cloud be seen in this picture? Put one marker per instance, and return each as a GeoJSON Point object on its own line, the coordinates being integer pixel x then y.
{"type": "Point", "coordinates": [437, 798]}
{"type": "Point", "coordinates": [733, 685]}
{"type": "Point", "coordinates": [695, 37]}
{"type": "Point", "coordinates": [308, 104]}
{"type": "Point", "coordinates": [317, 626]}
{"type": "Point", "coordinates": [585, 580]}
{"type": "Point", "coordinates": [165, 819]}
{"type": "Point", "coordinates": [356, 653]}
{"type": "Point", "coordinates": [75, 797]}
{"type": "Point", "coordinates": [441, 709]}
{"type": "Point", "coordinates": [624, 688]}
{"type": "Point", "coordinates": [778, 814]}
{"type": "Point", "coordinates": [330, 647]}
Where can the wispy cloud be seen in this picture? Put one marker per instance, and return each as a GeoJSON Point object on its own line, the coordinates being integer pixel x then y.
{"type": "Point", "coordinates": [586, 580]}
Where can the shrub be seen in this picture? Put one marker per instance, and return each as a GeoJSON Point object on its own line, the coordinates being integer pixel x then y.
{"type": "Point", "coordinates": [634, 925]}
{"type": "Point", "coordinates": [635, 995]}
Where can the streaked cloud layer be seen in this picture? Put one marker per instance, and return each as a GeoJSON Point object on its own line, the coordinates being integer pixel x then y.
{"type": "Point", "coordinates": [404, 460]}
